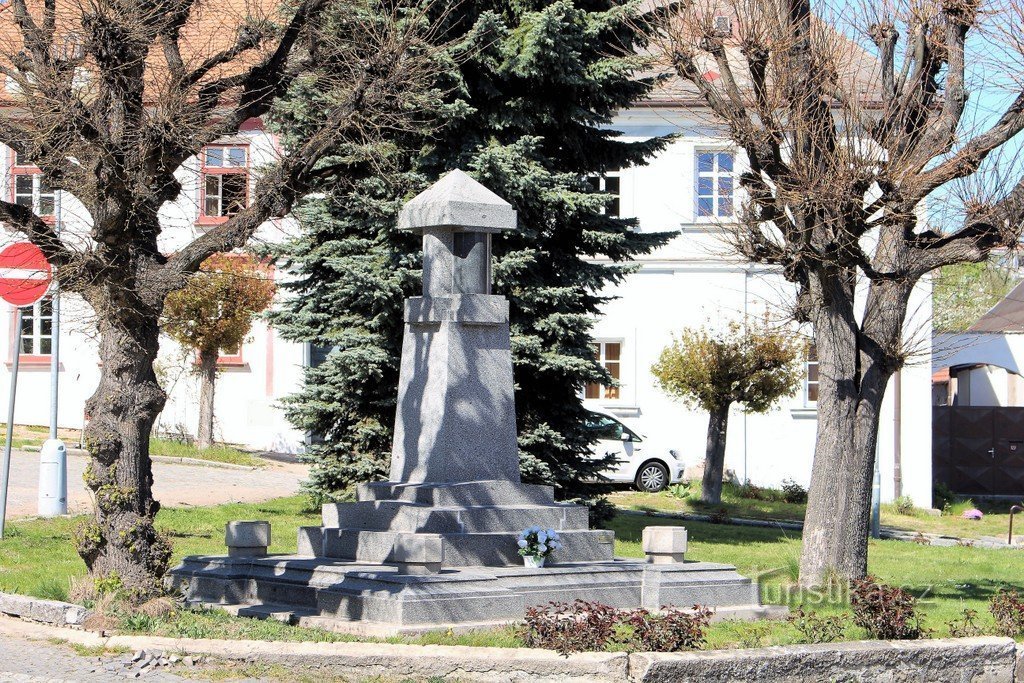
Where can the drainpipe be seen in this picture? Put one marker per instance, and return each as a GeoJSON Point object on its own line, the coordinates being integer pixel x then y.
{"type": "Point", "coordinates": [746, 279]}
{"type": "Point", "coordinates": [897, 441]}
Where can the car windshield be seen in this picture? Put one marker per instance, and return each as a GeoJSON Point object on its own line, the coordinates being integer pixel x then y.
{"type": "Point", "coordinates": [604, 427]}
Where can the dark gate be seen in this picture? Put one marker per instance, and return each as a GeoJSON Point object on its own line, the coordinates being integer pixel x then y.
{"type": "Point", "coordinates": [979, 451]}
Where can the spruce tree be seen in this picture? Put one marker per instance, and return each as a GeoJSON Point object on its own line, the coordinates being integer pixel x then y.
{"type": "Point", "coordinates": [535, 87]}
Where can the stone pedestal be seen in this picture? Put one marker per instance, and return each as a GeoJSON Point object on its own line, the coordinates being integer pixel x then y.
{"type": "Point", "coordinates": [455, 423]}
{"type": "Point", "coordinates": [437, 545]}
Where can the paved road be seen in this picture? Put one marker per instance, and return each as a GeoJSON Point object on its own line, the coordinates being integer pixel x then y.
{"type": "Point", "coordinates": [33, 661]}
{"type": "Point", "coordinates": [174, 484]}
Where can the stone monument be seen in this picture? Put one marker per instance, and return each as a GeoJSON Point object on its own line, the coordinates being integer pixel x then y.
{"type": "Point", "coordinates": [435, 546]}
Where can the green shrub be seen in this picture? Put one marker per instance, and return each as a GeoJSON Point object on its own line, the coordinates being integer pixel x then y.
{"type": "Point", "coordinates": [942, 495]}
{"type": "Point", "coordinates": [815, 628]}
{"type": "Point", "coordinates": [1007, 608]}
{"type": "Point", "coordinates": [966, 626]}
{"type": "Point", "coordinates": [583, 626]}
{"type": "Point", "coordinates": [887, 612]}
{"type": "Point", "coordinates": [793, 492]}
{"type": "Point", "coordinates": [904, 505]}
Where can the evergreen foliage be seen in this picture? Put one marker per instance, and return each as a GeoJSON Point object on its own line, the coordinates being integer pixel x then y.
{"type": "Point", "coordinates": [534, 85]}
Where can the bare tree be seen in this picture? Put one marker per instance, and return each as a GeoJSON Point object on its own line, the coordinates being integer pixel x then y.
{"type": "Point", "coordinates": [109, 98]}
{"type": "Point", "coordinates": [850, 119]}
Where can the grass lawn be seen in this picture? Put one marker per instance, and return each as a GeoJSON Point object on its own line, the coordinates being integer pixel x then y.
{"type": "Point", "coordinates": [33, 436]}
{"type": "Point", "coordinates": [994, 524]}
{"type": "Point", "coordinates": [215, 453]}
{"type": "Point", "coordinates": [37, 558]}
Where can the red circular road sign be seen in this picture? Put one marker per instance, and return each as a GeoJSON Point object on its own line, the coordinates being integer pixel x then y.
{"type": "Point", "coordinates": [24, 274]}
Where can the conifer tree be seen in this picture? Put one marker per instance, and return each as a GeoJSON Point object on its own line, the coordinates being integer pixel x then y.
{"type": "Point", "coordinates": [535, 87]}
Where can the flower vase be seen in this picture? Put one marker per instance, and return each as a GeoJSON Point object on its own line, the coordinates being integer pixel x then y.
{"type": "Point", "coordinates": [533, 561]}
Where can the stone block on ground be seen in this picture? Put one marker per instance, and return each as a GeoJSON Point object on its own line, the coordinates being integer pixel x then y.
{"type": "Point", "coordinates": [245, 539]}
{"type": "Point", "coordinates": [664, 544]}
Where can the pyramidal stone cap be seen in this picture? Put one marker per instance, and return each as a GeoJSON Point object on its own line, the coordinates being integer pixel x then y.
{"type": "Point", "coordinates": [457, 201]}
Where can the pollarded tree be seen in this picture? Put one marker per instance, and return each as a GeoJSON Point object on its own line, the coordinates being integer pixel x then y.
{"type": "Point", "coordinates": [851, 119]}
{"type": "Point", "coordinates": [110, 98]}
{"type": "Point", "coordinates": [753, 366]}
{"type": "Point", "coordinates": [215, 311]}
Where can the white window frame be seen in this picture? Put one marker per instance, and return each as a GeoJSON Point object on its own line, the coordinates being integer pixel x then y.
{"type": "Point", "coordinates": [212, 167]}
{"type": "Point", "coordinates": [811, 359]}
{"type": "Point", "coordinates": [36, 195]}
{"type": "Point", "coordinates": [714, 174]}
{"type": "Point", "coordinates": [602, 360]}
{"type": "Point", "coordinates": [601, 185]}
{"type": "Point", "coordinates": [34, 316]}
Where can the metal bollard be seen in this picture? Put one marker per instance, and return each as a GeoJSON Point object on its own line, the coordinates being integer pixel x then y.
{"type": "Point", "coordinates": [53, 479]}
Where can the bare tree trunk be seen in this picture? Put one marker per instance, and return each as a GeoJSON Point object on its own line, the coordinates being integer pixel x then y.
{"type": "Point", "coordinates": [714, 456]}
{"type": "Point", "coordinates": [854, 367]}
{"type": "Point", "coordinates": [207, 384]}
{"type": "Point", "coordinates": [120, 543]}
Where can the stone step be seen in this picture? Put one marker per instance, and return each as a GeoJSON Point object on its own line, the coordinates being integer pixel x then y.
{"type": "Point", "coordinates": [378, 599]}
{"type": "Point", "coordinates": [466, 550]}
{"type": "Point", "coordinates": [286, 614]}
{"type": "Point", "coordinates": [469, 493]}
{"type": "Point", "coordinates": [414, 517]}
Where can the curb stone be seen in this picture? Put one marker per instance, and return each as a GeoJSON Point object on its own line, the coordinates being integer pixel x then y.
{"type": "Point", "coordinates": [81, 452]}
{"type": "Point", "coordinates": [980, 660]}
{"type": "Point", "coordinates": [44, 611]}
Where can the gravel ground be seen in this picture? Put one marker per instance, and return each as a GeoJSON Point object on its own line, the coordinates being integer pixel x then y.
{"type": "Point", "coordinates": [174, 485]}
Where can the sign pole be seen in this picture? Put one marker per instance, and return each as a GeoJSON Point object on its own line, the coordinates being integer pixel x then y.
{"type": "Point", "coordinates": [6, 473]}
{"type": "Point", "coordinates": [55, 333]}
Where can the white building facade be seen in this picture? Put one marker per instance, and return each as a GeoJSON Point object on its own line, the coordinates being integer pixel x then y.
{"type": "Point", "coordinates": [688, 188]}
{"type": "Point", "coordinates": [695, 280]}
{"type": "Point", "coordinates": [253, 379]}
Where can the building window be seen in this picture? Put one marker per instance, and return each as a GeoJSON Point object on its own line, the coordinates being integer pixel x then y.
{"type": "Point", "coordinates": [811, 376]}
{"type": "Point", "coordinates": [37, 329]}
{"type": "Point", "coordinates": [30, 188]}
{"type": "Point", "coordinates": [716, 181]}
{"type": "Point", "coordinates": [610, 184]}
{"type": "Point", "coordinates": [224, 181]}
{"type": "Point", "coordinates": [609, 355]}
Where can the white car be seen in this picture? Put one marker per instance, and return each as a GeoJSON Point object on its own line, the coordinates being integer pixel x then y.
{"type": "Point", "coordinates": [650, 467]}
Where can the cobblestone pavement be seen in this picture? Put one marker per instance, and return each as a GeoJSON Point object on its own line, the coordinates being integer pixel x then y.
{"type": "Point", "coordinates": [33, 661]}
{"type": "Point", "coordinates": [174, 485]}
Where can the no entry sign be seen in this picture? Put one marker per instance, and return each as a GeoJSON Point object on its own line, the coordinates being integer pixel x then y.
{"type": "Point", "coordinates": [24, 274]}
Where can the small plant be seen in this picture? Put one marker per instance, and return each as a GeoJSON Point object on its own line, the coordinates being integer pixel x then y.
{"type": "Point", "coordinates": [1007, 608]}
{"type": "Point", "coordinates": [815, 628]}
{"type": "Point", "coordinates": [753, 635]}
{"type": "Point", "coordinates": [538, 542]}
{"type": "Point", "coordinates": [887, 612]}
{"type": "Point", "coordinates": [904, 505]}
{"type": "Point", "coordinates": [671, 630]}
{"type": "Point", "coordinates": [957, 508]}
{"type": "Point", "coordinates": [570, 627]}
{"type": "Point", "coordinates": [942, 496]}
{"type": "Point", "coordinates": [966, 626]}
{"type": "Point", "coordinates": [681, 490]}
{"type": "Point", "coordinates": [793, 492]}
{"type": "Point", "coordinates": [51, 588]}
{"type": "Point", "coordinates": [719, 516]}
{"type": "Point", "coordinates": [591, 627]}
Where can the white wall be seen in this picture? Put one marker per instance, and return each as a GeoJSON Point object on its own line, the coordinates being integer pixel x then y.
{"type": "Point", "coordinates": [695, 280]}
{"type": "Point", "coordinates": [247, 395]}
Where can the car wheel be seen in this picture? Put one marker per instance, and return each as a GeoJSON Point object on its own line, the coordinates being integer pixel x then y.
{"type": "Point", "coordinates": [652, 477]}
